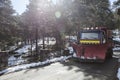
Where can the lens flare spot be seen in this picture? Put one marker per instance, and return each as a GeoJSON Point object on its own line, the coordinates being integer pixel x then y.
{"type": "Point", "coordinates": [57, 14]}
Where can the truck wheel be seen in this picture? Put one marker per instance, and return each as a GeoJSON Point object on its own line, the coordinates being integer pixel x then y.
{"type": "Point", "coordinates": [109, 53]}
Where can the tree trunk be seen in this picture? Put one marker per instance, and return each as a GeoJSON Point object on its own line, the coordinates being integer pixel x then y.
{"type": "Point", "coordinates": [36, 40]}
{"type": "Point", "coordinates": [43, 38]}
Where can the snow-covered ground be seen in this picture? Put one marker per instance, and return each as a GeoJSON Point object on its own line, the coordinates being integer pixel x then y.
{"type": "Point", "coordinates": [118, 73]}
{"type": "Point", "coordinates": [26, 66]}
{"type": "Point", "coordinates": [117, 46]}
{"type": "Point", "coordinates": [26, 48]}
{"type": "Point", "coordinates": [16, 61]}
{"type": "Point", "coordinates": [12, 60]}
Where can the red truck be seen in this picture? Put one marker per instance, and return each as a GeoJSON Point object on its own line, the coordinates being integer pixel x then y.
{"type": "Point", "coordinates": [94, 44]}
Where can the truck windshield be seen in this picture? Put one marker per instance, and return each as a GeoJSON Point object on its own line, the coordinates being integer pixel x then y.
{"type": "Point", "coordinates": [89, 36]}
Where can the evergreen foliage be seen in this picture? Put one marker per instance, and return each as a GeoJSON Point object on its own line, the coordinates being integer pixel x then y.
{"type": "Point", "coordinates": [8, 24]}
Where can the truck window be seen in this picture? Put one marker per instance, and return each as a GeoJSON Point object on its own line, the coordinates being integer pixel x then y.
{"type": "Point", "coordinates": [89, 36]}
{"type": "Point", "coordinates": [103, 38]}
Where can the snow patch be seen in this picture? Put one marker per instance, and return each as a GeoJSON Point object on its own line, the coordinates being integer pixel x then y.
{"type": "Point", "coordinates": [118, 74]}
{"type": "Point", "coordinates": [74, 54]}
{"type": "Point", "coordinates": [117, 39]}
{"type": "Point", "coordinates": [25, 49]}
{"type": "Point", "coordinates": [70, 50]}
{"type": "Point", "coordinates": [116, 49]}
{"type": "Point", "coordinates": [12, 61]}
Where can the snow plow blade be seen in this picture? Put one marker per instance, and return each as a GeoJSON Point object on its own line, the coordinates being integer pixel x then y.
{"type": "Point", "coordinates": [91, 53]}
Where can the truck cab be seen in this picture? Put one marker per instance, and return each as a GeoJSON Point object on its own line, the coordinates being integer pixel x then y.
{"type": "Point", "coordinates": [92, 37]}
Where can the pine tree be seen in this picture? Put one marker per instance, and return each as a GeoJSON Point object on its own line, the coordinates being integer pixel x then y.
{"type": "Point", "coordinates": [7, 24]}
{"type": "Point", "coordinates": [40, 17]}
{"type": "Point", "coordinates": [88, 13]}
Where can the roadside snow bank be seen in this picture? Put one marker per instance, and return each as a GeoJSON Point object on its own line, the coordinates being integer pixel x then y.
{"type": "Point", "coordinates": [27, 66]}
{"type": "Point", "coordinates": [118, 74]}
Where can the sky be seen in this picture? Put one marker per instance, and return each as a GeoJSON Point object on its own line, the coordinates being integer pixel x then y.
{"type": "Point", "coordinates": [20, 5]}
{"type": "Point", "coordinates": [111, 1]}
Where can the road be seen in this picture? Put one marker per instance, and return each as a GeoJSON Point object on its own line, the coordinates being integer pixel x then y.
{"type": "Point", "coordinates": [69, 70]}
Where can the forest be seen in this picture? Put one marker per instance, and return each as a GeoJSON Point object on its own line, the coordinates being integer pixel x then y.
{"type": "Point", "coordinates": [43, 18]}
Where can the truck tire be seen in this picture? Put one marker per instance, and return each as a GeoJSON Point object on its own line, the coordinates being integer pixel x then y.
{"type": "Point", "coordinates": [109, 53]}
